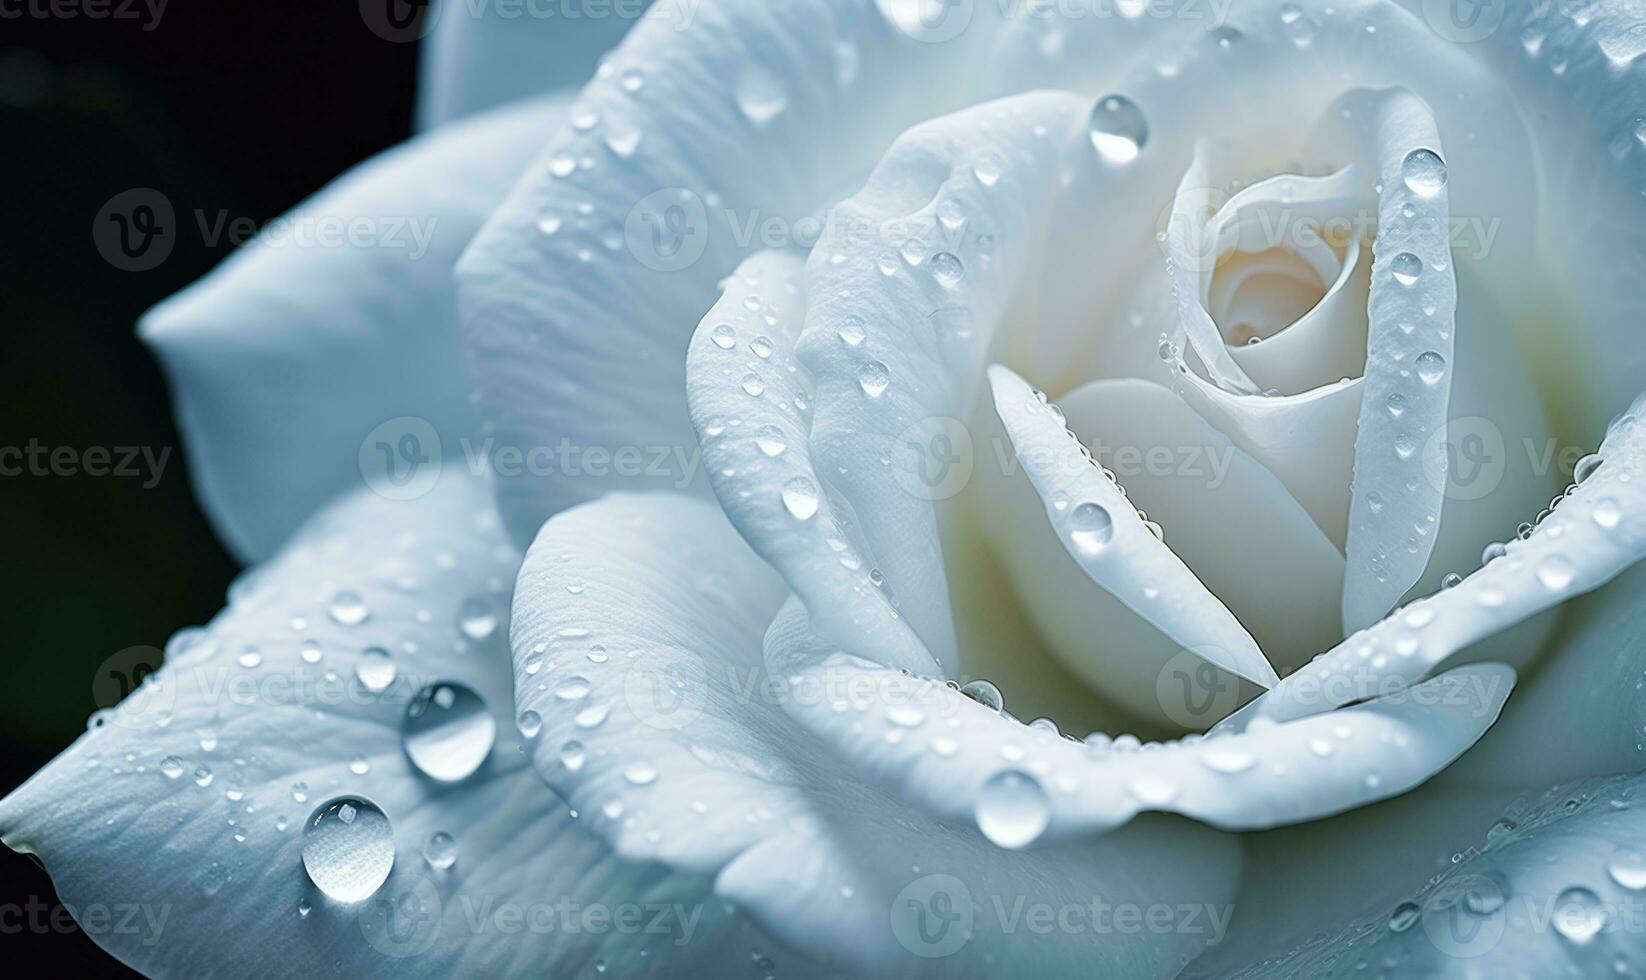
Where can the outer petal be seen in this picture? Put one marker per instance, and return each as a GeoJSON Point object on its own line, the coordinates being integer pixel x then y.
{"type": "Point", "coordinates": [335, 334]}
{"type": "Point", "coordinates": [935, 745]}
{"type": "Point", "coordinates": [1551, 888]}
{"type": "Point", "coordinates": [479, 55]}
{"type": "Point", "coordinates": [636, 639]}
{"type": "Point", "coordinates": [188, 804]}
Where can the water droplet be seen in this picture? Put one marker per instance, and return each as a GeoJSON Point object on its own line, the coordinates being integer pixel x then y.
{"type": "Point", "coordinates": [1579, 915]}
{"type": "Point", "coordinates": [1556, 572]}
{"type": "Point", "coordinates": [573, 688]}
{"type": "Point", "coordinates": [171, 766]}
{"type": "Point", "coordinates": [440, 851]}
{"type": "Point", "coordinates": [1090, 527]}
{"type": "Point", "coordinates": [760, 96]}
{"type": "Point", "coordinates": [724, 336]}
{"type": "Point", "coordinates": [1586, 468]}
{"type": "Point", "coordinates": [1118, 129]}
{"type": "Point", "coordinates": [874, 378]}
{"type": "Point", "coordinates": [1012, 809]}
{"type": "Point", "coordinates": [348, 608]}
{"type": "Point", "coordinates": [753, 386]}
{"type": "Point", "coordinates": [1629, 871]}
{"type": "Point", "coordinates": [984, 693]}
{"type": "Point", "coordinates": [1431, 367]}
{"type": "Point", "coordinates": [852, 330]}
{"type": "Point", "coordinates": [530, 723]}
{"type": "Point", "coordinates": [1608, 514]}
{"type": "Point", "coordinates": [1404, 916]}
{"type": "Point", "coordinates": [1406, 268]}
{"type": "Point", "coordinates": [947, 268]}
{"type": "Point", "coordinates": [376, 670]}
{"type": "Point", "coordinates": [1152, 790]}
{"type": "Point", "coordinates": [771, 441]}
{"type": "Point", "coordinates": [987, 168]}
{"type": "Point", "coordinates": [800, 498]}
{"type": "Point", "coordinates": [572, 755]}
{"type": "Point", "coordinates": [477, 618]}
{"type": "Point", "coordinates": [249, 658]}
{"type": "Point", "coordinates": [641, 774]}
{"type": "Point", "coordinates": [348, 848]}
{"type": "Point", "coordinates": [1227, 760]}
{"type": "Point", "coordinates": [1424, 172]}
{"type": "Point", "coordinates": [447, 731]}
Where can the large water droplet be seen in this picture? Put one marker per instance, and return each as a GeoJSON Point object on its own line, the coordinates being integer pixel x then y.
{"type": "Point", "coordinates": [1118, 128]}
{"type": "Point", "coordinates": [1406, 268]}
{"type": "Point", "coordinates": [1556, 572]}
{"type": "Point", "coordinates": [1424, 172]}
{"type": "Point", "coordinates": [348, 848]}
{"type": "Point", "coordinates": [724, 336]}
{"type": "Point", "coordinates": [852, 330]}
{"type": "Point", "coordinates": [800, 498]}
{"type": "Point", "coordinates": [1012, 809]}
{"type": "Point", "coordinates": [771, 441]}
{"type": "Point", "coordinates": [440, 851]}
{"type": "Point", "coordinates": [348, 608]}
{"type": "Point", "coordinates": [1628, 870]}
{"type": "Point", "coordinates": [447, 731]}
{"type": "Point", "coordinates": [947, 268]}
{"type": "Point", "coordinates": [874, 378]}
{"type": "Point", "coordinates": [1431, 367]}
{"type": "Point", "coordinates": [376, 670]}
{"type": "Point", "coordinates": [1579, 915]}
{"type": "Point", "coordinates": [984, 693]}
{"type": "Point", "coordinates": [1090, 527]}
{"type": "Point", "coordinates": [1404, 916]}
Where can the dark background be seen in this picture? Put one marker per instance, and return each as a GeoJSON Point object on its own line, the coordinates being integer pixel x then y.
{"type": "Point", "coordinates": [235, 108]}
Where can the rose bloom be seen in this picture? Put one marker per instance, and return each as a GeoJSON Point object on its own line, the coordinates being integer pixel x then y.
{"type": "Point", "coordinates": [710, 554]}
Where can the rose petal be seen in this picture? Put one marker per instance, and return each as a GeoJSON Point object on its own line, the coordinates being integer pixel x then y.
{"type": "Point", "coordinates": [188, 805]}
{"type": "Point", "coordinates": [934, 745]}
{"type": "Point", "coordinates": [287, 359]}
{"type": "Point", "coordinates": [1594, 535]}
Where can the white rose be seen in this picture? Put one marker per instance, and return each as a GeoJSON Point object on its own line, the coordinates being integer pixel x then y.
{"type": "Point", "coordinates": [756, 338]}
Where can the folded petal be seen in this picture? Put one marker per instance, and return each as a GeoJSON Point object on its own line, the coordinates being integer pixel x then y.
{"type": "Point", "coordinates": [751, 405]}
{"type": "Point", "coordinates": [636, 642]}
{"type": "Point", "coordinates": [190, 801]}
{"type": "Point", "coordinates": [1023, 784]}
{"type": "Point", "coordinates": [1105, 535]}
{"type": "Point", "coordinates": [332, 339]}
{"type": "Point", "coordinates": [1593, 535]}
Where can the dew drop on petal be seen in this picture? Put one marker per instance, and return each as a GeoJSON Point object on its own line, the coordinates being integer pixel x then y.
{"type": "Point", "coordinates": [447, 731]}
{"type": "Point", "coordinates": [1090, 527]}
{"type": "Point", "coordinates": [1012, 809]}
{"type": "Point", "coordinates": [1406, 268]}
{"type": "Point", "coordinates": [760, 96]}
{"type": "Point", "coordinates": [441, 850]}
{"type": "Point", "coordinates": [376, 670]}
{"type": "Point", "coordinates": [348, 848]}
{"type": "Point", "coordinates": [1579, 915]}
{"type": "Point", "coordinates": [1431, 367]}
{"type": "Point", "coordinates": [984, 693]}
{"type": "Point", "coordinates": [530, 723]}
{"type": "Point", "coordinates": [1556, 572]}
{"type": "Point", "coordinates": [874, 378]}
{"type": "Point", "coordinates": [800, 498]}
{"type": "Point", "coordinates": [348, 608]}
{"type": "Point", "coordinates": [1423, 172]}
{"type": "Point", "coordinates": [1119, 129]}
{"type": "Point", "coordinates": [724, 336]}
